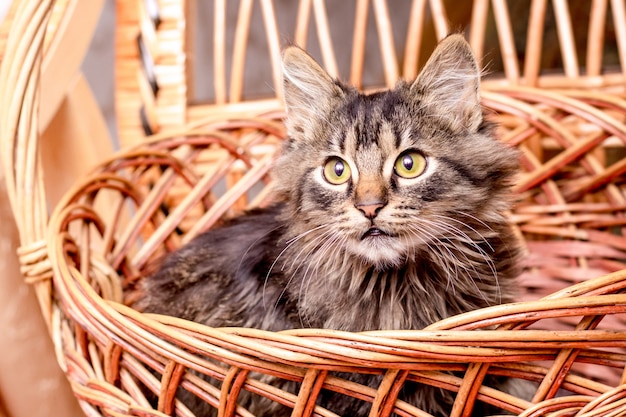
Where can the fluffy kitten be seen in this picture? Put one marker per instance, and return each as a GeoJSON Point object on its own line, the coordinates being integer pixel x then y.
{"type": "Point", "coordinates": [389, 215]}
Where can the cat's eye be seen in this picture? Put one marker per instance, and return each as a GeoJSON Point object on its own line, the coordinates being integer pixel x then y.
{"type": "Point", "coordinates": [336, 171]}
{"type": "Point", "coordinates": [410, 164]}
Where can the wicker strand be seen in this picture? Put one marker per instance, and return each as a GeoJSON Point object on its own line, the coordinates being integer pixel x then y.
{"type": "Point", "coordinates": [387, 47]}
{"type": "Point", "coordinates": [566, 38]}
{"type": "Point", "coordinates": [19, 130]}
{"type": "Point", "coordinates": [567, 334]}
{"type": "Point", "coordinates": [358, 52]}
{"type": "Point", "coordinates": [478, 27]}
{"type": "Point", "coordinates": [597, 22]}
{"type": "Point", "coordinates": [239, 50]}
{"type": "Point", "coordinates": [219, 51]}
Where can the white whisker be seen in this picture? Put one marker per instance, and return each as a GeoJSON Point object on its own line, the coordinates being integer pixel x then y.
{"type": "Point", "coordinates": [466, 239]}
{"type": "Point", "coordinates": [289, 243]}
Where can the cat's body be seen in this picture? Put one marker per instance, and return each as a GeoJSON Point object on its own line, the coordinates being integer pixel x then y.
{"type": "Point", "coordinates": [390, 215]}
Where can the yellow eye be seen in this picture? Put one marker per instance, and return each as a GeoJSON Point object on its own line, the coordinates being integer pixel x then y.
{"type": "Point", "coordinates": [336, 171]}
{"type": "Point", "coordinates": [410, 164]}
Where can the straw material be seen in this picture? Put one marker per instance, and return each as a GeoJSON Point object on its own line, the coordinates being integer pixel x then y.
{"type": "Point", "coordinates": [545, 45]}
{"type": "Point", "coordinates": [104, 236]}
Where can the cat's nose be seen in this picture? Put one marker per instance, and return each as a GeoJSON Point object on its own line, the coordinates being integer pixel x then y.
{"type": "Point", "coordinates": [370, 209]}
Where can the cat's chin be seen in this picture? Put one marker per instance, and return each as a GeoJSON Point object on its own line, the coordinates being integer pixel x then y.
{"type": "Point", "coordinates": [379, 249]}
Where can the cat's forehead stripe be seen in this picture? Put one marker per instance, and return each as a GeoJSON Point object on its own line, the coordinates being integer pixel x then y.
{"type": "Point", "coordinates": [349, 140]}
{"type": "Point", "coordinates": [371, 116]}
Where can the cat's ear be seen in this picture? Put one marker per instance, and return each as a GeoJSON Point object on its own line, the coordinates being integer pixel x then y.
{"type": "Point", "coordinates": [450, 84]}
{"type": "Point", "coordinates": [309, 90]}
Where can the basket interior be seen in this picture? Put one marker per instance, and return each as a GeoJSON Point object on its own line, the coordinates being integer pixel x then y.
{"type": "Point", "coordinates": [113, 227]}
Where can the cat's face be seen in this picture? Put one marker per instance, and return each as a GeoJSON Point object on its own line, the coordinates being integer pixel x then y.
{"type": "Point", "coordinates": [382, 176]}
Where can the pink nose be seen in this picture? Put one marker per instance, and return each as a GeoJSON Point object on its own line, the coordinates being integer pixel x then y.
{"type": "Point", "coordinates": [370, 210]}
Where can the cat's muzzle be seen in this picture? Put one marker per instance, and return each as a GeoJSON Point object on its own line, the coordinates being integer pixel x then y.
{"type": "Point", "coordinates": [373, 231]}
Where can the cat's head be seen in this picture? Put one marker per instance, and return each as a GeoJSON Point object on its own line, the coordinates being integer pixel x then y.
{"type": "Point", "coordinates": [384, 175]}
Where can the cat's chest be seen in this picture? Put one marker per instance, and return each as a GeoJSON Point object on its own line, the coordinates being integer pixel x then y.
{"type": "Point", "coordinates": [359, 299]}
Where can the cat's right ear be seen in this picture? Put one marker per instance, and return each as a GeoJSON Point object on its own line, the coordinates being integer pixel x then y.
{"type": "Point", "coordinates": [309, 90]}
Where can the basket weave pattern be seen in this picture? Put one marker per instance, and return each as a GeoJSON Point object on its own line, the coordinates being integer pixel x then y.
{"type": "Point", "coordinates": [167, 190]}
{"type": "Point", "coordinates": [113, 225]}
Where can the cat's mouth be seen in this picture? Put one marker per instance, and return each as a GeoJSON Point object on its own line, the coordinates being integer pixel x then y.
{"type": "Point", "coordinates": [373, 232]}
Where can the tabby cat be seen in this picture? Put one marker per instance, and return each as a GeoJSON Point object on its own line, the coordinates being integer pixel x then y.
{"type": "Point", "coordinates": [389, 213]}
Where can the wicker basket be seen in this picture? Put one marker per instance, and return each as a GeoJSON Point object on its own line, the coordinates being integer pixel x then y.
{"type": "Point", "coordinates": [209, 161]}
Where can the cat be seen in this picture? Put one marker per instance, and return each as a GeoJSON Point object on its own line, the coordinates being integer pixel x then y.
{"type": "Point", "coordinates": [389, 213]}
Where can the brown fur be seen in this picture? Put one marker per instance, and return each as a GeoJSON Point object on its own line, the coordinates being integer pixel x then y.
{"type": "Point", "coordinates": [377, 251]}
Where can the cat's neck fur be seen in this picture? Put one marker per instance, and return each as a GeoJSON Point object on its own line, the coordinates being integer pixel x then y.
{"type": "Point", "coordinates": [336, 290]}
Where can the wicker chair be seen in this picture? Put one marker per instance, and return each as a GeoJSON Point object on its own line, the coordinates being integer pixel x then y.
{"type": "Point", "coordinates": [204, 161]}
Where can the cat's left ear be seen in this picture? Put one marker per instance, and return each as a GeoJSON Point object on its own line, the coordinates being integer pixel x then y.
{"type": "Point", "coordinates": [450, 84]}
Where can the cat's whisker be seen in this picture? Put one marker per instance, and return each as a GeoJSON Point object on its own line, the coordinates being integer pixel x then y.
{"type": "Point", "coordinates": [482, 222]}
{"type": "Point", "coordinates": [303, 234]}
{"type": "Point", "coordinates": [306, 280]}
{"type": "Point", "coordinates": [312, 244]}
{"type": "Point", "coordinates": [253, 244]}
{"type": "Point", "coordinates": [458, 235]}
{"type": "Point", "coordinates": [452, 219]}
{"type": "Point", "coordinates": [464, 238]}
{"type": "Point", "coordinates": [456, 261]}
{"type": "Point", "coordinates": [308, 248]}
{"type": "Point", "coordinates": [311, 247]}
{"type": "Point", "coordinates": [474, 244]}
{"type": "Point", "coordinates": [443, 257]}
{"type": "Point", "coordinates": [289, 243]}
